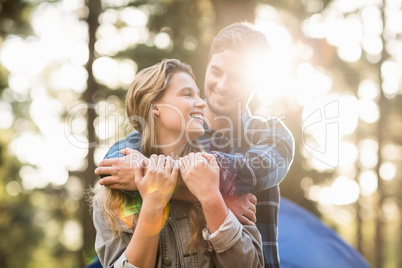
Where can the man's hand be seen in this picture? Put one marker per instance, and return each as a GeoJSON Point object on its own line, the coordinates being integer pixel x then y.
{"type": "Point", "coordinates": [120, 171]}
{"type": "Point", "coordinates": [243, 207]}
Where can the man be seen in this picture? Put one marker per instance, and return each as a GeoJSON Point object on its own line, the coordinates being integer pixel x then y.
{"type": "Point", "coordinates": [256, 158]}
{"type": "Point", "coordinates": [257, 153]}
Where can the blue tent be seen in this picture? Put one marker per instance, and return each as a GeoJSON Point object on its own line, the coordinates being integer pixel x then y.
{"type": "Point", "coordinates": [305, 241]}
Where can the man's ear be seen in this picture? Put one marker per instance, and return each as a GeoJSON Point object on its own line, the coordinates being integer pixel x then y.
{"type": "Point", "coordinates": [155, 110]}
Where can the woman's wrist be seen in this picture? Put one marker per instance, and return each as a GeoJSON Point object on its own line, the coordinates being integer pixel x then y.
{"type": "Point", "coordinates": [213, 202]}
{"type": "Point", "coordinates": [215, 212]}
{"type": "Point", "coordinates": [152, 208]}
{"type": "Point", "coordinates": [210, 198]}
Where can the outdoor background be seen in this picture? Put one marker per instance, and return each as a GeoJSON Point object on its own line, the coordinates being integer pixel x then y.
{"type": "Point", "coordinates": [334, 78]}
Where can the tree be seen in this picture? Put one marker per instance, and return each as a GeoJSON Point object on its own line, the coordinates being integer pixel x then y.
{"type": "Point", "coordinates": [136, 34]}
{"type": "Point", "coordinates": [17, 224]}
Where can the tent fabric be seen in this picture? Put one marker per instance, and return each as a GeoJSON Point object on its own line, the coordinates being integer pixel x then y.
{"type": "Point", "coordinates": [306, 242]}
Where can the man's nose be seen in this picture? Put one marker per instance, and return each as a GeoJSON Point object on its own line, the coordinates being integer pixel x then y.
{"type": "Point", "coordinates": [224, 84]}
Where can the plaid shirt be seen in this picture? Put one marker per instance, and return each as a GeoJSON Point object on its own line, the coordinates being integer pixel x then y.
{"type": "Point", "coordinates": [255, 161]}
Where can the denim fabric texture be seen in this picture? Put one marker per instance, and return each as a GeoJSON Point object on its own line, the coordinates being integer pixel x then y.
{"type": "Point", "coordinates": [256, 159]}
{"type": "Point", "coordinates": [234, 245]}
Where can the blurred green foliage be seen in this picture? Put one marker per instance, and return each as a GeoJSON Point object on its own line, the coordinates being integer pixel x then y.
{"type": "Point", "coordinates": [33, 222]}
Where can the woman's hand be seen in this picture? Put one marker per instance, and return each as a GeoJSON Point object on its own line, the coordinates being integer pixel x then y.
{"type": "Point", "coordinates": [156, 188]}
{"type": "Point", "coordinates": [200, 173]}
{"type": "Point", "coordinates": [159, 181]}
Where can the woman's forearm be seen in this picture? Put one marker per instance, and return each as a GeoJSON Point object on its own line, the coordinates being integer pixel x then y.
{"type": "Point", "coordinates": [215, 210]}
{"type": "Point", "coordinates": [143, 246]}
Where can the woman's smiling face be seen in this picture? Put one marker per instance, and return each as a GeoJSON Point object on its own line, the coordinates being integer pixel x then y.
{"type": "Point", "coordinates": [179, 113]}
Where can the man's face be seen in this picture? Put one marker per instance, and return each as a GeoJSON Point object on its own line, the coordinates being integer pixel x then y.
{"type": "Point", "coordinates": [226, 83]}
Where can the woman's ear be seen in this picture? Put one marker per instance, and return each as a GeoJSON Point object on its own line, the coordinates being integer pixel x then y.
{"type": "Point", "coordinates": [155, 110]}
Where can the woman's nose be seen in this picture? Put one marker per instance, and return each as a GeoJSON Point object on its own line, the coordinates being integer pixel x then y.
{"type": "Point", "coordinates": [200, 103]}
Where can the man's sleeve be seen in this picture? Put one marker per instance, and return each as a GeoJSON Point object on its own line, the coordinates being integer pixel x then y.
{"type": "Point", "coordinates": [133, 140]}
{"type": "Point", "coordinates": [263, 161]}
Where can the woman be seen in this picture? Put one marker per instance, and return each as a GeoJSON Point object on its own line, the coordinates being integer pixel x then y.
{"type": "Point", "coordinates": [163, 104]}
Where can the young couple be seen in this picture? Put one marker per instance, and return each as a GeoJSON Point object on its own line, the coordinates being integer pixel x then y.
{"type": "Point", "coordinates": [185, 201]}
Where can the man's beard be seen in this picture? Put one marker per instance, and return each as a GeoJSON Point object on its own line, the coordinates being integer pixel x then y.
{"type": "Point", "coordinates": [216, 110]}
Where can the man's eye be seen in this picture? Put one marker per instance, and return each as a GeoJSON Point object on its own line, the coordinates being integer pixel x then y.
{"type": "Point", "coordinates": [238, 78]}
{"type": "Point", "coordinates": [215, 71]}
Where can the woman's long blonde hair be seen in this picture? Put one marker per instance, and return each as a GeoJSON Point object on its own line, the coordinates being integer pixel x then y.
{"type": "Point", "coordinates": [149, 86]}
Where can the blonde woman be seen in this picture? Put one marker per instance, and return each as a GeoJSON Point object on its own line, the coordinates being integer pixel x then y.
{"type": "Point", "coordinates": [163, 104]}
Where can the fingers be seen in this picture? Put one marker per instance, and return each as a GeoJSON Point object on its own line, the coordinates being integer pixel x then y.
{"type": "Point", "coordinates": [161, 165]}
{"type": "Point", "coordinates": [246, 221]}
{"type": "Point", "coordinates": [127, 151]}
{"type": "Point", "coordinates": [172, 168]}
{"type": "Point", "coordinates": [253, 208]}
{"type": "Point", "coordinates": [111, 182]}
{"type": "Point", "coordinates": [253, 205]}
{"type": "Point", "coordinates": [187, 162]}
{"type": "Point", "coordinates": [114, 186]}
{"type": "Point", "coordinates": [175, 171]}
{"type": "Point", "coordinates": [202, 157]}
{"type": "Point", "coordinates": [144, 162]}
{"type": "Point", "coordinates": [106, 181]}
{"type": "Point", "coordinates": [97, 171]}
{"type": "Point", "coordinates": [104, 171]}
{"type": "Point", "coordinates": [250, 202]}
{"type": "Point", "coordinates": [210, 158]}
{"type": "Point", "coordinates": [152, 163]}
{"type": "Point", "coordinates": [169, 163]}
{"type": "Point", "coordinates": [250, 215]}
{"type": "Point", "coordinates": [198, 158]}
{"type": "Point", "coordinates": [134, 157]}
{"type": "Point", "coordinates": [138, 173]}
{"type": "Point", "coordinates": [184, 163]}
{"type": "Point", "coordinates": [112, 170]}
{"type": "Point", "coordinates": [192, 159]}
{"type": "Point", "coordinates": [108, 162]}
{"type": "Point", "coordinates": [252, 198]}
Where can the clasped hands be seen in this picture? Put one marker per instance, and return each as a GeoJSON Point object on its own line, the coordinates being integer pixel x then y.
{"type": "Point", "coordinates": [157, 175]}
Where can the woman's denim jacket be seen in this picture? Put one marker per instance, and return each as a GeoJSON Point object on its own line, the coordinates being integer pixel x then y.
{"type": "Point", "coordinates": [233, 245]}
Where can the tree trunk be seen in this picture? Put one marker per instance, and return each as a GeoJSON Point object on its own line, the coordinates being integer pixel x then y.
{"type": "Point", "coordinates": [88, 176]}
{"type": "Point", "coordinates": [381, 132]}
{"type": "Point", "coordinates": [229, 11]}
